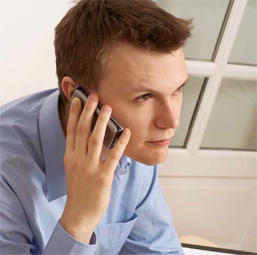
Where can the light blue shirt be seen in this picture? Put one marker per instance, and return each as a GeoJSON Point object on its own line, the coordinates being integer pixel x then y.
{"type": "Point", "coordinates": [33, 192]}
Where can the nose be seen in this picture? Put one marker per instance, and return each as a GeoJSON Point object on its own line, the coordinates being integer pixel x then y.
{"type": "Point", "coordinates": [168, 116]}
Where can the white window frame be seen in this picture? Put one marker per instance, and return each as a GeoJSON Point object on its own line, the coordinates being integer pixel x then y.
{"type": "Point", "coordinates": [216, 71]}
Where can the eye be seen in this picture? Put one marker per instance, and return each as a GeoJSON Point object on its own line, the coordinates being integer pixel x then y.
{"type": "Point", "coordinates": [144, 97]}
{"type": "Point", "coordinates": [178, 91]}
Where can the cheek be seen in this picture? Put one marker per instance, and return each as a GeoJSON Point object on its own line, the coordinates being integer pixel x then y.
{"type": "Point", "coordinates": [137, 126]}
{"type": "Point", "coordinates": [138, 123]}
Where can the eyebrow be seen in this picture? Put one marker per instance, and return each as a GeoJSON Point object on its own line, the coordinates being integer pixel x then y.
{"type": "Point", "coordinates": [148, 89]}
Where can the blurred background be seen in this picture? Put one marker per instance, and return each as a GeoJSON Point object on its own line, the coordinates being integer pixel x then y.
{"type": "Point", "coordinates": [210, 177]}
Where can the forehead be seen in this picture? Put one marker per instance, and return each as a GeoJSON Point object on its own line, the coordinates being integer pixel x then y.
{"type": "Point", "coordinates": [128, 66]}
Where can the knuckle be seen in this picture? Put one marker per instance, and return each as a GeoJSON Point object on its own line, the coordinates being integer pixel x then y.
{"type": "Point", "coordinates": [82, 129]}
{"type": "Point", "coordinates": [93, 141]}
{"type": "Point", "coordinates": [76, 108]}
{"type": "Point", "coordinates": [71, 161]}
{"type": "Point", "coordinates": [101, 180]}
{"type": "Point", "coordinates": [71, 128]}
{"type": "Point", "coordinates": [74, 163]}
{"type": "Point", "coordinates": [114, 157]}
{"type": "Point", "coordinates": [89, 106]}
{"type": "Point", "coordinates": [122, 142]}
{"type": "Point", "coordinates": [102, 117]}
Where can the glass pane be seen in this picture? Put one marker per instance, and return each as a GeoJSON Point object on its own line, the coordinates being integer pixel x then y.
{"type": "Point", "coordinates": [207, 17]}
{"type": "Point", "coordinates": [245, 47]}
{"type": "Point", "coordinates": [190, 98]}
{"type": "Point", "coordinates": [232, 123]}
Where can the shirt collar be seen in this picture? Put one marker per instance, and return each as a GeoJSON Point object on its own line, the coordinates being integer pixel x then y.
{"type": "Point", "coordinates": [123, 165]}
{"type": "Point", "coordinates": [53, 143]}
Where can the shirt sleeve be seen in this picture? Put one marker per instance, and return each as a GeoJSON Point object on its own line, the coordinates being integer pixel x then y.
{"type": "Point", "coordinates": [154, 232]}
{"type": "Point", "coordinates": [61, 242]}
{"type": "Point", "coordinates": [16, 236]}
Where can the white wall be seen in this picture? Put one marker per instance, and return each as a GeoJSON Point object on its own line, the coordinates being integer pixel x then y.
{"type": "Point", "coordinates": [27, 62]}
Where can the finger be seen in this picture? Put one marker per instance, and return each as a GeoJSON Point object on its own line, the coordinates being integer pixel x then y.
{"type": "Point", "coordinates": [116, 153]}
{"type": "Point", "coordinates": [73, 120]}
{"type": "Point", "coordinates": [97, 138]}
{"type": "Point", "coordinates": [83, 131]}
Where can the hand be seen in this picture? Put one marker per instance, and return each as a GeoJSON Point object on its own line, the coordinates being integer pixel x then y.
{"type": "Point", "coordinates": [89, 178]}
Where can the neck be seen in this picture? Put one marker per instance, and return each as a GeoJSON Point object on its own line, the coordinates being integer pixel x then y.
{"type": "Point", "coordinates": [63, 114]}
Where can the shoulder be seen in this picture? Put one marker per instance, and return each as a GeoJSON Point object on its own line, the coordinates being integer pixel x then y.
{"type": "Point", "coordinates": [21, 161]}
{"type": "Point", "coordinates": [19, 123]}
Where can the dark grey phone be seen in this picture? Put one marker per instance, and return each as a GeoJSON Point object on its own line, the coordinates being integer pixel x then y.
{"type": "Point", "coordinates": [113, 130]}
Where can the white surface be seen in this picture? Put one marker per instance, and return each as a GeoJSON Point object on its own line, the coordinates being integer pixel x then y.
{"type": "Point", "coordinates": [189, 251]}
{"type": "Point", "coordinates": [207, 17]}
{"type": "Point", "coordinates": [242, 52]}
{"type": "Point", "coordinates": [27, 59]}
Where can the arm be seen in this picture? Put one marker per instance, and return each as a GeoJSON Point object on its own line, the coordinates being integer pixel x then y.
{"type": "Point", "coordinates": [89, 180]}
{"type": "Point", "coordinates": [16, 237]}
{"type": "Point", "coordinates": [154, 232]}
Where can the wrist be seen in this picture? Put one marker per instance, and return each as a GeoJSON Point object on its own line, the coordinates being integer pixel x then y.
{"type": "Point", "coordinates": [79, 230]}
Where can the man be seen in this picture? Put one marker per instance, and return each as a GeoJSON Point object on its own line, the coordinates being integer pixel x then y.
{"type": "Point", "coordinates": [62, 191]}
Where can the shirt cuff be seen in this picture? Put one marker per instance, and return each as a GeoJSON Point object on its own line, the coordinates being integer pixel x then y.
{"type": "Point", "coordinates": [61, 242]}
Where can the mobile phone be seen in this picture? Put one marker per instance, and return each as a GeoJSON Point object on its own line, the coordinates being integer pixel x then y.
{"type": "Point", "coordinates": [113, 129]}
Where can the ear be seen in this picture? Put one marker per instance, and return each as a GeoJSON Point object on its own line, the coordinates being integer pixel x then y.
{"type": "Point", "coordinates": [68, 86]}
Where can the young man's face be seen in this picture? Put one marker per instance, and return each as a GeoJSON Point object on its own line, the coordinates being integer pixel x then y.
{"type": "Point", "coordinates": [140, 86]}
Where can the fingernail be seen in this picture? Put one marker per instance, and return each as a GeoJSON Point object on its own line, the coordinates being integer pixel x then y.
{"type": "Point", "coordinates": [126, 132]}
{"type": "Point", "coordinates": [75, 100]}
{"type": "Point", "coordinates": [106, 108]}
{"type": "Point", "coordinates": [93, 97]}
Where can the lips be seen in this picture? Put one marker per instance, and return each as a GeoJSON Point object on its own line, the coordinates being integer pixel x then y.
{"type": "Point", "coordinates": [161, 142]}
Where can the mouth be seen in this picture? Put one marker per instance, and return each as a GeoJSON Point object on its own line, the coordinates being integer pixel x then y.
{"type": "Point", "coordinates": [161, 142]}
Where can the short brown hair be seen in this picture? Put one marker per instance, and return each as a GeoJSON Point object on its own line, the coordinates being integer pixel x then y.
{"type": "Point", "coordinates": [86, 33]}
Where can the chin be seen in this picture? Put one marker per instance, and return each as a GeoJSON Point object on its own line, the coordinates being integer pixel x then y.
{"type": "Point", "coordinates": [149, 157]}
{"type": "Point", "coordinates": [153, 161]}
